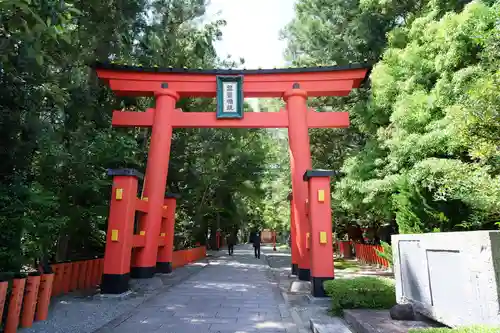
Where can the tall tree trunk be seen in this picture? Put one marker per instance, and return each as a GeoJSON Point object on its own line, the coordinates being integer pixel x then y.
{"type": "Point", "coordinates": [62, 247]}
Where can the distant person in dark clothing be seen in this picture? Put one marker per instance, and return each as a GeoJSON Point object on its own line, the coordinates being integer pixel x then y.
{"type": "Point", "coordinates": [231, 242]}
{"type": "Point", "coordinates": [256, 245]}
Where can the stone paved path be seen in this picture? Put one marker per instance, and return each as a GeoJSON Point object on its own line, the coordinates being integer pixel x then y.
{"type": "Point", "coordinates": [231, 295]}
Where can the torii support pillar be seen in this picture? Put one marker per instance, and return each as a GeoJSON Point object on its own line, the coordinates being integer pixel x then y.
{"type": "Point", "coordinates": [293, 238]}
{"type": "Point", "coordinates": [320, 216]}
{"type": "Point", "coordinates": [116, 274]}
{"type": "Point", "coordinates": [300, 161]}
{"type": "Point", "coordinates": [166, 246]}
{"type": "Point", "coordinates": [144, 263]}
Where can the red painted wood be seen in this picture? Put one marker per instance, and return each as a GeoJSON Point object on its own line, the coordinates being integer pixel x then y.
{"type": "Point", "coordinates": [45, 290]}
{"type": "Point", "coordinates": [75, 273]}
{"type": "Point", "coordinates": [182, 119]}
{"type": "Point", "coordinates": [293, 236]}
{"type": "Point", "coordinates": [95, 272]}
{"type": "Point", "coordinates": [58, 273]}
{"type": "Point", "coordinates": [300, 162]}
{"type": "Point", "coordinates": [327, 83]}
{"type": "Point", "coordinates": [320, 216]}
{"type": "Point", "coordinates": [141, 205]}
{"type": "Point", "coordinates": [121, 217]}
{"type": "Point", "coordinates": [183, 257]}
{"type": "Point", "coordinates": [209, 120]}
{"type": "Point", "coordinates": [327, 75]}
{"type": "Point", "coordinates": [67, 277]}
{"type": "Point", "coordinates": [3, 295]}
{"type": "Point", "coordinates": [250, 89]}
{"type": "Point", "coordinates": [138, 241]}
{"type": "Point", "coordinates": [83, 273]}
{"type": "Point", "coordinates": [30, 300]}
{"type": "Point", "coordinates": [327, 119]}
{"type": "Point", "coordinates": [130, 119]}
{"type": "Point", "coordinates": [156, 177]}
{"type": "Point", "coordinates": [165, 253]}
{"type": "Point", "coordinates": [15, 304]}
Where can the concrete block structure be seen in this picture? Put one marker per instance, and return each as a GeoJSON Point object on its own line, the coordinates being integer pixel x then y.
{"type": "Point", "coordinates": [452, 277]}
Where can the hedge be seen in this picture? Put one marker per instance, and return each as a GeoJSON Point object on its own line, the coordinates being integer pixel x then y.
{"type": "Point", "coordinates": [365, 292]}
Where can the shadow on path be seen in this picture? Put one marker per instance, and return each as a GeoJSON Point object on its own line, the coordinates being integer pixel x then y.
{"type": "Point", "coordinates": [233, 294]}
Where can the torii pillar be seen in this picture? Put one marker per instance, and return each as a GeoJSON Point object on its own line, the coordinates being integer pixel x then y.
{"type": "Point", "coordinates": [166, 247]}
{"type": "Point", "coordinates": [144, 261]}
{"type": "Point", "coordinates": [293, 237]}
{"type": "Point", "coordinates": [300, 162]}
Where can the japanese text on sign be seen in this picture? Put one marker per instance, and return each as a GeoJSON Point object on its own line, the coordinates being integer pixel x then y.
{"type": "Point", "coordinates": [230, 97]}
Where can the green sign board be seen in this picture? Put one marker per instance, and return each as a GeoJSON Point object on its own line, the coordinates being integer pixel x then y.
{"type": "Point", "coordinates": [229, 97]}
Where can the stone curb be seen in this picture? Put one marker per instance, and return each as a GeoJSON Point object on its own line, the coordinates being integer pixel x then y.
{"type": "Point", "coordinates": [329, 325]}
{"type": "Point", "coordinates": [318, 320]}
{"type": "Point", "coordinates": [356, 325]}
{"type": "Point", "coordinates": [299, 324]}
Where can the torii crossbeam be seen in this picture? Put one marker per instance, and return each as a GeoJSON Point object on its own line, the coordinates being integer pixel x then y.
{"type": "Point", "coordinates": [167, 85]}
{"type": "Point", "coordinates": [182, 119]}
{"type": "Point", "coordinates": [317, 81]}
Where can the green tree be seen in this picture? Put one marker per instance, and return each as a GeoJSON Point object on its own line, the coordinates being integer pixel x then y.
{"type": "Point", "coordinates": [421, 149]}
{"type": "Point", "coordinates": [56, 139]}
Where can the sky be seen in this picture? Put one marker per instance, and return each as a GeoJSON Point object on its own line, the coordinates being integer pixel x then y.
{"type": "Point", "coordinates": [252, 30]}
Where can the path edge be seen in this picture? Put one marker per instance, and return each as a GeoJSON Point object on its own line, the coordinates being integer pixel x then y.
{"type": "Point", "coordinates": [110, 325]}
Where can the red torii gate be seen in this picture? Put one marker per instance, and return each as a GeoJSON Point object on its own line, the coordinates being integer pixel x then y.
{"type": "Point", "coordinates": [167, 85]}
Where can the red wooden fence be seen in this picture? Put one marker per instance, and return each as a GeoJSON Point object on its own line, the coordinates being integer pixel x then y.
{"type": "Point", "coordinates": [184, 257]}
{"type": "Point", "coordinates": [366, 254]}
{"type": "Point", "coordinates": [30, 296]}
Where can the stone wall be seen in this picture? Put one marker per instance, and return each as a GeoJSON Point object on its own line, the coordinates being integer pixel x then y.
{"type": "Point", "coordinates": [452, 277]}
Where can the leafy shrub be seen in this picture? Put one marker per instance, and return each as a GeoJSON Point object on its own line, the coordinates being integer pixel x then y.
{"type": "Point", "coordinates": [470, 329]}
{"type": "Point", "coordinates": [387, 253]}
{"type": "Point", "coordinates": [362, 292]}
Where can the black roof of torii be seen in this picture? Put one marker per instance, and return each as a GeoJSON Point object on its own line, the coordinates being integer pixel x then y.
{"type": "Point", "coordinates": [290, 70]}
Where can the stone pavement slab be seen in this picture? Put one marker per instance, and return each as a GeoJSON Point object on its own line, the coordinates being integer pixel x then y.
{"type": "Point", "coordinates": [233, 294]}
{"type": "Point", "coordinates": [329, 325]}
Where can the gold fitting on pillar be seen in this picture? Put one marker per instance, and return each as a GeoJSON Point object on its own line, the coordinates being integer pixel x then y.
{"type": "Point", "coordinates": [142, 232]}
{"type": "Point", "coordinates": [119, 194]}
{"type": "Point", "coordinates": [162, 234]}
{"type": "Point", "coordinates": [145, 198]}
{"type": "Point", "coordinates": [322, 237]}
{"type": "Point", "coordinates": [321, 195]}
{"type": "Point", "coordinates": [114, 235]}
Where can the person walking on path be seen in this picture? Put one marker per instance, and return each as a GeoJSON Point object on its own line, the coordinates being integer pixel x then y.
{"type": "Point", "coordinates": [256, 244]}
{"type": "Point", "coordinates": [231, 242]}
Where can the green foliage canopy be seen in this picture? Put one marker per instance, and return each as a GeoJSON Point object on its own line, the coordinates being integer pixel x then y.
{"type": "Point", "coordinates": [56, 140]}
{"type": "Point", "coordinates": [422, 150]}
